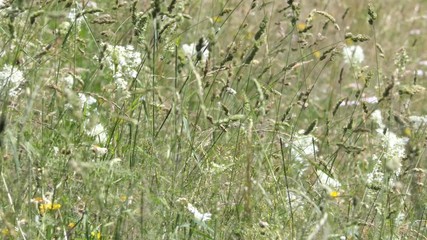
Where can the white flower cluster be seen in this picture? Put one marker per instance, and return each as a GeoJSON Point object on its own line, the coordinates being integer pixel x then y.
{"type": "Point", "coordinates": [353, 55]}
{"type": "Point", "coordinates": [198, 216]}
{"type": "Point", "coordinates": [393, 146]}
{"type": "Point", "coordinates": [327, 181]}
{"type": "Point", "coordinates": [375, 178]}
{"type": "Point", "coordinates": [190, 50]}
{"type": "Point", "coordinates": [123, 61]}
{"type": "Point", "coordinates": [10, 80]}
{"type": "Point", "coordinates": [86, 101]}
{"type": "Point", "coordinates": [394, 149]}
{"type": "Point", "coordinates": [303, 147]}
{"type": "Point", "coordinates": [418, 121]}
{"type": "Point", "coordinates": [370, 100]}
{"type": "Point", "coordinates": [98, 131]}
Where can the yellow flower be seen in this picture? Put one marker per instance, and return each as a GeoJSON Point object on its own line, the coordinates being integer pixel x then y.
{"type": "Point", "coordinates": [37, 200]}
{"type": "Point", "coordinates": [123, 198]}
{"type": "Point", "coordinates": [349, 42]}
{"type": "Point", "coordinates": [71, 225]}
{"type": "Point", "coordinates": [217, 19]}
{"type": "Point", "coordinates": [96, 235]}
{"type": "Point", "coordinates": [317, 54]}
{"type": "Point", "coordinates": [5, 232]}
{"type": "Point", "coordinates": [334, 194]}
{"type": "Point", "coordinates": [301, 27]}
{"type": "Point", "coordinates": [49, 206]}
{"type": "Point", "coordinates": [407, 132]}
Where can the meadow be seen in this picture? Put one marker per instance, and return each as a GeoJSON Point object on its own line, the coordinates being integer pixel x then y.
{"type": "Point", "coordinates": [213, 119]}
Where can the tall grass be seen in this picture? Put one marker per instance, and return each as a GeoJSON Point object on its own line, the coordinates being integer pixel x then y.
{"type": "Point", "coordinates": [206, 119]}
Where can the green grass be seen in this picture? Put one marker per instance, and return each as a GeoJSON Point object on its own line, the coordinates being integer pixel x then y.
{"type": "Point", "coordinates": [272, 132]}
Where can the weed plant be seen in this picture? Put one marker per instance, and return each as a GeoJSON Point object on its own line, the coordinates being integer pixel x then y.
{"type": "Point", "coordinates": [225, 119]}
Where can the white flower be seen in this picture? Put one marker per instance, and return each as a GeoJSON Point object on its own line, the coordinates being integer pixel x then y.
{"type": "Point", "coordinates": [394, 149]}
{"type": "Point", "coordinates": [99, 150]}
{"type": "Point", "coordinates": [353, 55]}
{"type": "Point", "coordinates": [98, 131]}
{"type": "Point", "coordinates": [124, 62]}
{"type": "Point", "coordinates": [11, 78]}
{"type": "Point", "coordinates": [371, 100]}
{"type": "Point", "coordinates": [68, 81]}
{"type": "Point", "coordinates": [418, 121]}
{"type": "Point", "coordinates": [420, 73]}
{"type": "Point", "coordinates": [73, 16]}
{"type": "Point", "coordinates": [230, 90]}
{"type": "Point", "coordinates": [392, 145]}
{"type": "Point", "coordinates": [3, 3]}
{"type": "Point", "coordinates": [202, 217]}
{"type": "Point", "coordinates": [190, 50]}
{"type": "Point", "coordinates": [375, 178]}
{"type": "Point", "coordinates": [303, 147]}
{"type": "Point", "coordinates": [378, 119]}
{"type": "Point", "coordinates": [86, 101]}
{"type": "Point", "coordinates": [327, 181]}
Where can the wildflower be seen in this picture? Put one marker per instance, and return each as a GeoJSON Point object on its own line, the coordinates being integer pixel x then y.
{"type": "Point", "coordinates": [190, 50]}
{"type": "Point", "coordinates": [418, 121]}
{"type": "Point", "coordinates": [394, 149]}
{"type": "Point", "coordinates": [86, 101]}
{"type": "Point", "coordinates": [44, 207]}
{"type": "Point", "coordinates": [230, 91]}
{"type": "Point", "coordinates": [11, 78]}
{"type": "Point", "coordinates": [317, 54]}
{"type": "Point", "coordinates": [74, 16]}
{"type": "Point", "coordinates": [201, 217]}
{"type": "Point", "coordinates": [71, 225]}
{"type": "Point", "coordinates": [327, 181]}
{"type": "Point", "coordinates": [37, 200]}
{"type": "Point", "coordinates": [353, 55]}
{"type": "Point", "coordinates": [5, 232]}
{"type": "Point", "coordinates": [378, 119]}
{"type": "Point", "coordinates": [99, 151]}
{"type": "Point", "coordinates": [334, 194]}
{"type": "Point", "coordinates": [198, 216]}
{"type": "Point", "coordinates": [263, 224]}
{"type": "Point", "coordinates": [96, 235]}
{"type": "Point", "coordinates": [68, 81]}
{"type": "Point", "coordinates": [115, 161]}
{"type": "Point", "coordinates": [303, 146]}
{"type": "Point", "coordinates": [301, 26]}
{"type": "Point", "coordinates": [5, 4]}
{"type": "Point", "coordinates": [124, 62]}
{"type": "Point", "coordinates": [375, 178]}
{"type": "Point", "coordinates": [392, 145]}
{"type": "Point", "coordinates": [126, 199]}
{"type": "Point", "coordinates": [371, 100]}
{"type": "Point", "coordinates": [98, 131]}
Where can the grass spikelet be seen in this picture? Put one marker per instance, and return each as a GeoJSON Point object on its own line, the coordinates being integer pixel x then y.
{"type": "Point", "coordinates": [261, 29]}
{"type": "Point", "coordinates": [356, 38]}
{"type": "Point", "coordinates": [372, 14]}
{"type": "Point", "coordinates": [155, 8]}
{"type": "Point", "coordinates": [338, 105]}
{"type": "Point", "coordinates": [171, 6]}
{"type": "Point", "coordinates": [104, 19]}
{"type": "Point", "coordinates": [35, 15]}
{"type": "Point", "coordinates": [380, 50]}
{"type": "Point", "coordinates": [311, 127]}
{"type": "Point", "coordinates": [251, 55]}
{"type": "Point", "coordinates": [387, 91]}
{"type": "Point", "coordinates": [328, 16]}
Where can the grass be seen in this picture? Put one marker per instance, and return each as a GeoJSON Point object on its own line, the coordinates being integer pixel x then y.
{"type": "Point", "coordinates": [212, 120]}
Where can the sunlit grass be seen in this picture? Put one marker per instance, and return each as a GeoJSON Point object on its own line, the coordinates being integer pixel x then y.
{"type": "Point", "coordinates": [212, 120]}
